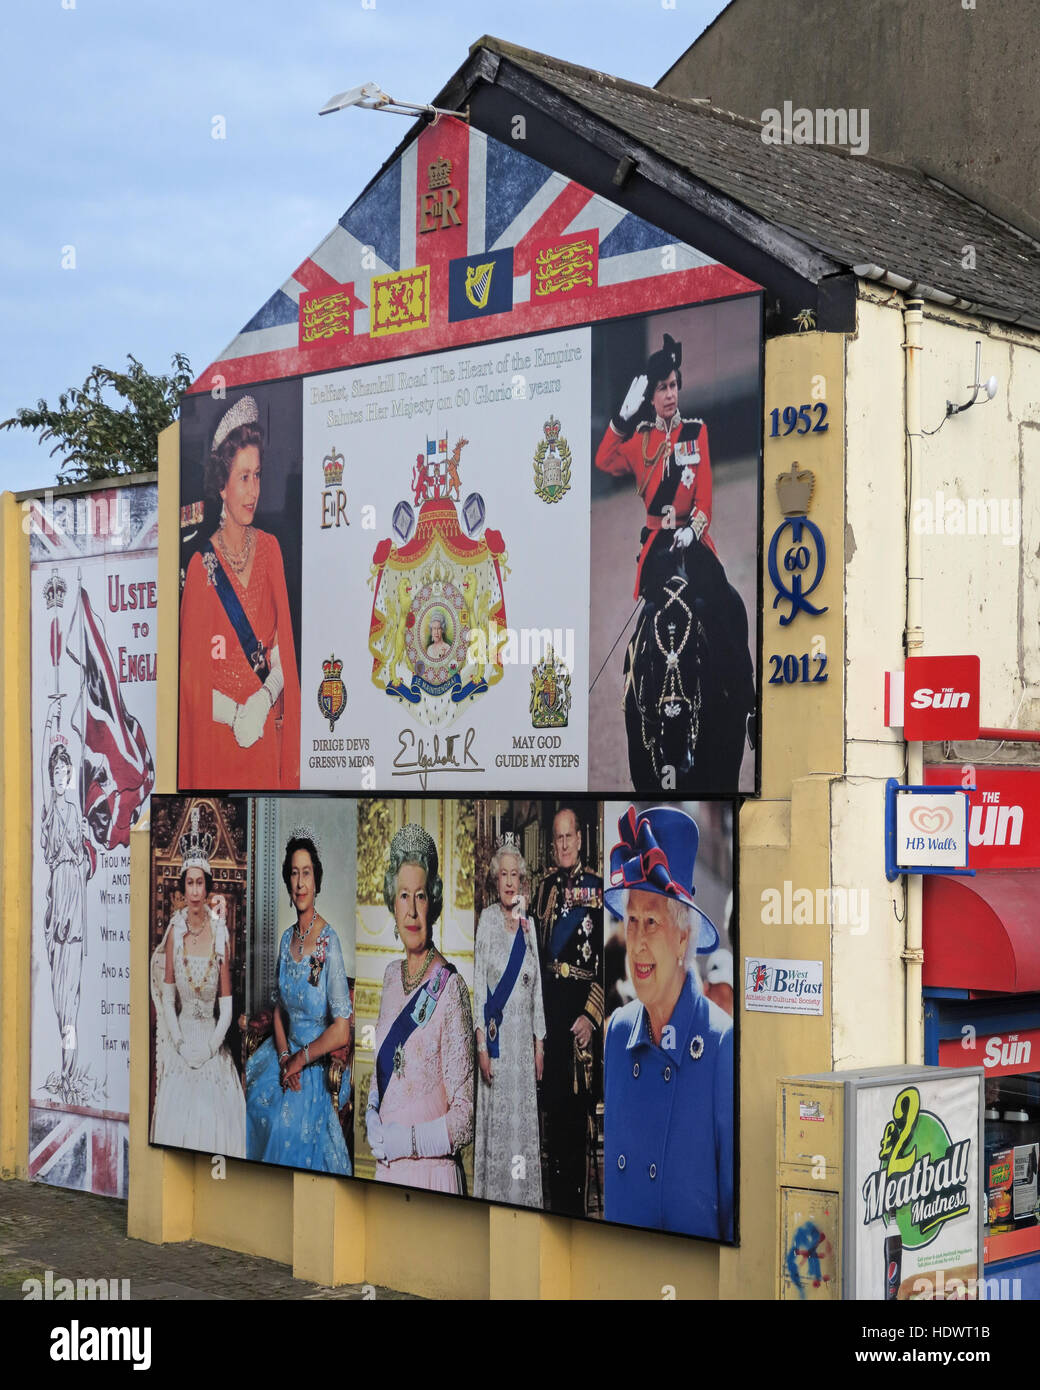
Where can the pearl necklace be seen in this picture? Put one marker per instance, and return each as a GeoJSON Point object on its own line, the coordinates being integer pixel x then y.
{"type": "Point", "coordinates": [238, 562]}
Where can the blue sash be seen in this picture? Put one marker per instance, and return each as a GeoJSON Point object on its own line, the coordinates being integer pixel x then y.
{"type": "Point", "coordinates": [252, 647]}
{"type": "Point", "coordinates": [565, 928]}
{"type": "Point", "coordinates": [495, 1005]}
{"type": "Point", "coordinates": [415, 1014]}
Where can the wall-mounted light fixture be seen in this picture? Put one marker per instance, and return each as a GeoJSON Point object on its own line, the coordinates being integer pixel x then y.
{"type": "Point", "coordinates": [371, 97]}
{"type": "Point", "coordinates": [990, 387]}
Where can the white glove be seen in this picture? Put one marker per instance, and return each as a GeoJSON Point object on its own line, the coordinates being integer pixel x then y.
{"type": "Point", "coordinates": [683, 538]}
{"type": "Point", "coordinates": [374, 1131]}
{"type": "Point", "coordinates": [195, 1054]}
{"type": "Point", "coordinates": [432, 1139]}
{"type": "Point", "coordinates": [173, 1023]}
{"type": "Point", "coordinates": [275, 682]}
{"type": "Point", "coordinates": [224, 709]}
{"type": "Point", "coordinates": [397, 1141]}
{"type": "Point", "coordinates": [222, 1025]}
{"type": "Point", "coordinates": [634, 399]}
{"type": "Point", "coordinates": [251, 718]}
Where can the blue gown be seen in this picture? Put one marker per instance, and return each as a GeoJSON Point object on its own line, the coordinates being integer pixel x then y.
{"type": "Point", "coordinates": [299, 1128]}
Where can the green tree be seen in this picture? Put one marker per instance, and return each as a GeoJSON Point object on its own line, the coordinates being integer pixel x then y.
{"type": "Point", "coordinates": [99, 438]}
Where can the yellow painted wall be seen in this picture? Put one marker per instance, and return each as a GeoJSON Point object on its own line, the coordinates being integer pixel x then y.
{"type": "Point", "coordinates": [435, 1246]}
{"type": "Point", "coordinates": [15, 841]}
{"type": "Point", "coordinates": [785, 836]}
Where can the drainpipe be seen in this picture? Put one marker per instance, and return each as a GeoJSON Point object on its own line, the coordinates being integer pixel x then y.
{"type": "Point", "coordinates": [913, 952]}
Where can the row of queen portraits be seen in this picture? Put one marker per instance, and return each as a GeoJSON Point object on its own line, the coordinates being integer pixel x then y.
{"type": "Point", "coordinates": [526, 1001]}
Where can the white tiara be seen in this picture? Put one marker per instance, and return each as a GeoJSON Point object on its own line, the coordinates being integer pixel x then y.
{"type": "Point", "coordinates": [196, 847]}
{"type": "Point", "coordinates": [413, 839]}
{"type": "Point", "coordinates": [305, 832]}
{"type": "Point", "coordinates": [243, 412]}
{"type": "Point", "coordinates": [509, 841]}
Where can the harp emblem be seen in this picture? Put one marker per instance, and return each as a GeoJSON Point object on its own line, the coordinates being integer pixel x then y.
{"type": "Point", "coordinates": [478, 284]}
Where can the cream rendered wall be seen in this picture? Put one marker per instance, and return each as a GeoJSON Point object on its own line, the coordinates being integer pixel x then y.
{"type": "Point", "coordinates": [982, 591]}
{"type": "Point", "coordinates": [981, 595]}
{"type": "Point", "coordinates": [868, 972]}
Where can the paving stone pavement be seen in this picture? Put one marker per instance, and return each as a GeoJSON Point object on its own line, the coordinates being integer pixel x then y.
{"type": "Point", "coordinates": [76, 1235]}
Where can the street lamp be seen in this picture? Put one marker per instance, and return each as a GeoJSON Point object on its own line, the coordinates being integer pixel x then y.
{"type": "Point", "coordinates": [371, 97]}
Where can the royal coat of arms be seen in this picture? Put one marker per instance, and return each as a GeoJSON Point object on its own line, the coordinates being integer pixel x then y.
{"type": "Point", "coordinates": [550, 693]}
{"type": "Point", "coordinates": [438, 606]}
{"type": "Point", "coordinates": [332, 693]}
{"type": "Point", "coordinates": [552, 463]}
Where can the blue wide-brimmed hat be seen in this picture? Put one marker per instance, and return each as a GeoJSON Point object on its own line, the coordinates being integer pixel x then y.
{"type": "Point", "coordinates": [657, 853]}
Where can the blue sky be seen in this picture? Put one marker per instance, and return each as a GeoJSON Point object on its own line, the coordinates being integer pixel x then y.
{"type": "Point", "coordinates": [107, 113]}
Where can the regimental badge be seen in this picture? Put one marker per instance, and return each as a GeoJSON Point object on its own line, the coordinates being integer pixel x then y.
{"type": "Point", "coordinates": [550, 693]}
{"type": "Point", "coordinates": [325, 317]}
{"type": "Point", "coordinates": [552, 463]}
{"type": "Point", "coordinates": [332, 693]}
{"type": "Point", "coordinates": [400, 301]}
{"type": "Point", "coordinates": [438, 610]}
{"type": "Point", "coordinates": [567, 266]}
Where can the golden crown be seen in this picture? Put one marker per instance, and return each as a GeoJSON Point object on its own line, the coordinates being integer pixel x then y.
{"type": "Point", "coordinates": [440, 172]}
{"type": "Point", "coordinates": [333, 466]}
{"type": "Point", "coordinates": [795, 490]}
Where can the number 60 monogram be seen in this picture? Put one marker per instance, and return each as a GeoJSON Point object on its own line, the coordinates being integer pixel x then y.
{"type": "Point", "coordinates": [796, 571]}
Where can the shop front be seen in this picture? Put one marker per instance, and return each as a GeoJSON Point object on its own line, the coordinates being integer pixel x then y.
{"type": "Point", "coordinates": [982, 1004]}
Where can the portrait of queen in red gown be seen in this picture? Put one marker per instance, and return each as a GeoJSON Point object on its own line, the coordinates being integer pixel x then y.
{"type": "Point", "coordinates": [239, 681]}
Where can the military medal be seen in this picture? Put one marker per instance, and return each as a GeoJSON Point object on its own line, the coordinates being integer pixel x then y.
{"type": "Point", "coordinates": [399, 1060]}
{"type": "Point", "coordinates": [586, 950]}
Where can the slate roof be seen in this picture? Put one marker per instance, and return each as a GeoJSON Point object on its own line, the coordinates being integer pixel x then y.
{"type": "Point", "coordinates": [853, 210]}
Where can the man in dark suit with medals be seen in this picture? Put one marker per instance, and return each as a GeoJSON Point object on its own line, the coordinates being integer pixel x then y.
{"type": "Point", "coordinates": [569, 913]}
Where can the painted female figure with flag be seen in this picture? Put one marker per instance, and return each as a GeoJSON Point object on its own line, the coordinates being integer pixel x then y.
{"type": "Point", "coordinates": [69, 858]}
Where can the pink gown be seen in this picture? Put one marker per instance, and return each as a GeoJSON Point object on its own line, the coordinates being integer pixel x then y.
{"type": "Point", "coordinates": [437, 1079]}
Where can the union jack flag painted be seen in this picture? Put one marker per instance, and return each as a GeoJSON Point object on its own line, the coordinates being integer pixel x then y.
{"type": "Point", "coordinates": [117, 774]}
{"type": "Point", "coordinates": [71, 1148]}
{"type": "Point", "coordinates": [500, 199]}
